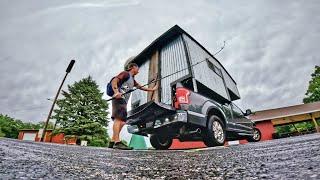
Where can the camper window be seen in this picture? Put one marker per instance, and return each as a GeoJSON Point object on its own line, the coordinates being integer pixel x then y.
{"type": "Point", "coordinates": [214, 68]}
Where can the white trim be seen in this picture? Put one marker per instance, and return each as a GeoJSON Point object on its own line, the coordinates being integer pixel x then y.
{"type": "Point", "coordinates": [196, 114]}
{"type": "Point", "coordinates": [27, 136]}
{"type": "Point", "coordinates": [231, 143]}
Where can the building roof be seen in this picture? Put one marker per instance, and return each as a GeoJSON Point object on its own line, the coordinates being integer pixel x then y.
{"type": "Point", "coordinates": [286, 111]}
{"type": "Point", "coordinates": [165, 38]}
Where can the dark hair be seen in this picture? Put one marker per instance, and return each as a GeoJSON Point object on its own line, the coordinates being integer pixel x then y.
{"type": "Point", "coordinates": [130, 66]}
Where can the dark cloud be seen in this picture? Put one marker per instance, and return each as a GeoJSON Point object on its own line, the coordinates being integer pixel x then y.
{"type": "Point", "coordinates": [271, 46]}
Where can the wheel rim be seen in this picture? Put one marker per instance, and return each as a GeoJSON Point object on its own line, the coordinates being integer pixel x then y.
{"type": "Point", "coordinates": [218, 131]}
{"type": "Point", "coordinates": [163, 141]}
{"type": "Point", "coordinates": [256, 134]}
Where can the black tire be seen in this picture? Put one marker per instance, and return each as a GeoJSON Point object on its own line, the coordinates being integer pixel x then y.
{"type": "Point", "coordinates": [160, 142]}
{"type": "Point", "coordinates": [256, 135]}
{"type": "Point", "coordinates": [212, 138]}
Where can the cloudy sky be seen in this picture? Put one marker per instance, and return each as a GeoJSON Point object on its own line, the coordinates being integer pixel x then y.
{"type": "Point", "coordinates": [271, 49]}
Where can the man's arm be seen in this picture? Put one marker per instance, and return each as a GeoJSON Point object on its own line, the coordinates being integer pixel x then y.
{"type": "Point", "coordinates": [145, 89]}
{"type": "Point", "coordinates": [115, 88]}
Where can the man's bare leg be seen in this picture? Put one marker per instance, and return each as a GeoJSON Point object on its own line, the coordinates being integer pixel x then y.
{"type": "Point", "coordinates": [117, 126]}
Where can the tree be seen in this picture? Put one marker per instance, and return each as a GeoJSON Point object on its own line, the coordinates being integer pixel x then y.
{"type": "Point", "coordinates": [313, 92]}
{"type": "Point", "coordinates": [1, 133]}
{"type": "Point", "coordinates": [82, 112]}
{"type": "Point", "coordinates": [42, 124]}
{"type": "Point", "coordinates": [9, 127]}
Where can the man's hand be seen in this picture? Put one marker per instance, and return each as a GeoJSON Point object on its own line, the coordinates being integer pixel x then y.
{"type": "Point", "coordinates": [117, 95]}
{"type": "Point", "coordinates": [147, 89]}
{"type": "Point", "coordinates": [155, 87]}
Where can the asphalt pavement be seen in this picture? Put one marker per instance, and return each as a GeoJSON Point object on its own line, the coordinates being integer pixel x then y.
{"type": "Point", "coordinates": [288, 158]}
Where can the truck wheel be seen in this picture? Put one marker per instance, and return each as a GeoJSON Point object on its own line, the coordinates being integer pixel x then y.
{"type": "Point", "coordinates": [256, 135]}
{"type": "Point", "coordinates": [159, 142]}
{"type": "Point", "coordinates": [215, 134]}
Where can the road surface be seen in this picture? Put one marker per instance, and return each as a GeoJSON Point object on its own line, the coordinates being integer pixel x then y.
{"type": "Point", "coordinates": [289, 158]}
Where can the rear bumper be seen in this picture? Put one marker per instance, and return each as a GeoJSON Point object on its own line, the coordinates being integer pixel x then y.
{"type": "Point", "coordinates": [176, 120]}
{"type": "Point", "coordinates": [180, 117]}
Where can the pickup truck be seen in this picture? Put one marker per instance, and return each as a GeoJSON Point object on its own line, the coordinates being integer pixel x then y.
{"type": "Point", "coordinates": [191, 117]}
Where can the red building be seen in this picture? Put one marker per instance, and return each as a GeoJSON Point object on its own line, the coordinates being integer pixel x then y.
{"type": "Point", "coordinates": [35, 135]}
{"type": "Point", "coordinates": [266, 120]}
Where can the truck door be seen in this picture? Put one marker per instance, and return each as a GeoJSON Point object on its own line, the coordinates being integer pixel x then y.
{"type": "Point", "coordinates": [228, 112]}
{"type": "Point", "coordinates": [241, 122]}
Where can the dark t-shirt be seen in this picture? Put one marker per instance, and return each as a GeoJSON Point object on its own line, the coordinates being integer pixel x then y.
{"type": "Point", "coordinates": [126, 83]}
{"type": "Point", "coordinates": [123, 77]}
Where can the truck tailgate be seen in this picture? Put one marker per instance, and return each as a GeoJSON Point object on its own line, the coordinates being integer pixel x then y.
{"type": "Point", "coordinates": [149, 112]}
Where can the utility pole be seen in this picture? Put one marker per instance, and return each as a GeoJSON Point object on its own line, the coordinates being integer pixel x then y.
{"type": "Point", "coordinates": [55, 99]}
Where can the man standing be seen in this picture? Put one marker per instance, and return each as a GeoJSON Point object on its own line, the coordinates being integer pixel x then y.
{"type": "Point", "coordinates": [121, 84]}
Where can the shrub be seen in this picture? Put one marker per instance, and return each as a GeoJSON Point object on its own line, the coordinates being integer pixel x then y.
{"type": "Point", "coordinates": [97, 143]}
{"type": "Point", "coordinates": [2, 134]}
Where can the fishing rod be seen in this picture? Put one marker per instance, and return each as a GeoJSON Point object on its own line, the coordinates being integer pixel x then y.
{"type": "Point", "coordinates": [158, 79]}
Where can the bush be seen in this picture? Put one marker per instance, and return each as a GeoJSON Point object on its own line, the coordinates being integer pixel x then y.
{"type": "Point", "coordinates": [2, 134]}
{"type": "Point", "coordinates": [97, 143]}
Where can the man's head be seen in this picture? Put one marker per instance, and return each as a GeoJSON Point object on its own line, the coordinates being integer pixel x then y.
{"type": "Point", "coordinates": [133, 67]}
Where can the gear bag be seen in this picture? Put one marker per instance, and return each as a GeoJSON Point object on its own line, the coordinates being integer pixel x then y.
{"type": "Point", "coordinates": [109, 89]}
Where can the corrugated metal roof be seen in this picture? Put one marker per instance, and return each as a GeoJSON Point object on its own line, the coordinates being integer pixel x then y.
{"type": "Point", "coordinates": [286, 111]}
{"type": "Point", "coordinates": [162, 40]}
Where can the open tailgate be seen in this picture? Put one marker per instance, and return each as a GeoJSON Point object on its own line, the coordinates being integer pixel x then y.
{"type": "Point", "coordinates": [149, 112]}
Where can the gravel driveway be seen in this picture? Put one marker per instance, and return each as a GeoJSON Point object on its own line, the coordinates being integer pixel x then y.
{"type": "Point", "coordinates": [289, 158]}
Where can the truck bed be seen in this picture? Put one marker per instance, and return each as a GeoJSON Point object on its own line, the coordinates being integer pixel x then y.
{"type": "Point", "coordinates": [149, 112]}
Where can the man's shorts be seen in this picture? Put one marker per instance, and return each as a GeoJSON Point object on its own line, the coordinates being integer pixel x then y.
{"type": "Point", "coordinates": [119, 109]}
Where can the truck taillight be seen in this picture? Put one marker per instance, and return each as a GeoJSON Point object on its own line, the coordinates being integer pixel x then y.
{"type": "Point", "coordinates": [182, 97]}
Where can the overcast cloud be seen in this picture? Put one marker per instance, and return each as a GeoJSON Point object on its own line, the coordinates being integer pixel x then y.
{"type": "Point", "coordinates": [271, 49]}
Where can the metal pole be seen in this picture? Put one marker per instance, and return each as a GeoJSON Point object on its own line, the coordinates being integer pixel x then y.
{"type": "Point", "coordinates": [50, 112]}
{"type": "Point", "coordinates": [55, 99]}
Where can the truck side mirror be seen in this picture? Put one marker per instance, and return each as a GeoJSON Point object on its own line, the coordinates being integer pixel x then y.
{"type": "Point", "coordinates": [248, 112]}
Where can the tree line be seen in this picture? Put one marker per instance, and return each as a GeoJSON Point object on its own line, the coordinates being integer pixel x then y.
{"type": "Point", "coordinates": [81, 113]}
{"type": "Point", "coordinates": [9, 127]}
